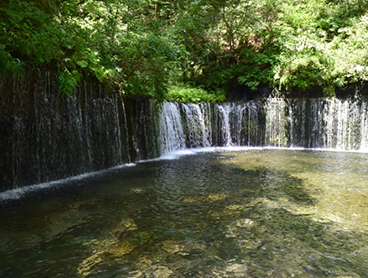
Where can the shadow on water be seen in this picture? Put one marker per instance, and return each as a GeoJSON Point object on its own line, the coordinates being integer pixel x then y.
{"type": "Point", "coordinates": [207, 215]}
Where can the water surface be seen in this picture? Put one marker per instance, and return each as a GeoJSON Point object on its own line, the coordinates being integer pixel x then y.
{"type": "Point", "coordinates": [252, 213]}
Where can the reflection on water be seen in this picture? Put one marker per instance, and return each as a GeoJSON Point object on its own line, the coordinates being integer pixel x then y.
{"type": "Point", "coordinates": [263, 213]}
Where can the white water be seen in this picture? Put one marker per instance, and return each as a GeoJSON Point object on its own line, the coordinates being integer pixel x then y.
{"type": "Point", "coordinates": [276, 123]}
{"type": "Point", "coordinates": [197, 123]}
{"type": "Point", "coordinates": [171, 130]}
{"type": "Point", "coordinates": [317, 123]}
{"type": "Point", "coordinates": [223, 112]}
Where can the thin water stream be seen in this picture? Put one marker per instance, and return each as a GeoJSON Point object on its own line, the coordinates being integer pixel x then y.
{"type": "Point", "coordinates": [251, 213]}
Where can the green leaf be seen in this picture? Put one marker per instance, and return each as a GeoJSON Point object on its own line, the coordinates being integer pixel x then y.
{"type": "Point", "coordinates": [82, 63]}
{"type": "Point", "coordinates": [110, 72]}
{"type": "Point", "coordinates": [77, 76]}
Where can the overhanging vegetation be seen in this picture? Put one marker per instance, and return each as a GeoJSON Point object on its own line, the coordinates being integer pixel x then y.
{"type": "Point", "coordinates": [161, 48]}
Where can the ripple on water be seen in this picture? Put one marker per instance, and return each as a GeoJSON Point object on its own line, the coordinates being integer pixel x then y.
{"type": "Point", "coordinates": [252, 213]}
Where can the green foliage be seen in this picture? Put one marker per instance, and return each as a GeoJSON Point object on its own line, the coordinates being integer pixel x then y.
{"type": "Point", "coordinates": [104, 39]}
{"type": "Point", "coordinates": [29, 33]}
{"type": "Point", "coordinates": [67, 80]}
{"type": "Point", "coordinates": [286, 44]}
{"type": "Point", "coordinates": [8, 64]}
{"type": "Point", "coordinates": [146, 62]}
{"type": "Point", "coordinates": [185, 93]}
{"type": "Point", "coordinates": [143, 46]}
{"type": "Point", "coordinates": [322, 43]}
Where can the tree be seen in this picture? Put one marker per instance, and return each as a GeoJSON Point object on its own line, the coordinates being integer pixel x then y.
{"type": "Point", "coordinates": [146, 46]}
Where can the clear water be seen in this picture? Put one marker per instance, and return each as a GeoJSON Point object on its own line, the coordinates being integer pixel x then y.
{"type": "Point", "coordinates": [252, 213]}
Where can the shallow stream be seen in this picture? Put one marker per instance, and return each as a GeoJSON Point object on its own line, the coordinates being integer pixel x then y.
{"type": "Point", "coordinates": [250, 213]}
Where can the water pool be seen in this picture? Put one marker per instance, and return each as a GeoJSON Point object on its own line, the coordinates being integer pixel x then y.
{"type": "Point", "coordinates": [251, 213]}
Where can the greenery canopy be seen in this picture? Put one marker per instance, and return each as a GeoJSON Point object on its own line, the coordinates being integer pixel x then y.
{"type": "Point", "coordinates": [154, 46]}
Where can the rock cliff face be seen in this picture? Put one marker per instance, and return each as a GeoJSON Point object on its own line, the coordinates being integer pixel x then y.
{"type": "Point", "coordinates": [46, 136]}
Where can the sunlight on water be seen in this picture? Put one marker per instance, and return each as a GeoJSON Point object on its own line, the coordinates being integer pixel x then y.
{"type": "Point", "coordinates": [336, 181]}
{"type": "Point", "coordinates": [224, 213]}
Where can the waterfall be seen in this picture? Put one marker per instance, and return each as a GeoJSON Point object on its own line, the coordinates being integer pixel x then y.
{"type": "Point", "coordinates": [363, 115]}
{"type": "Point", "coordinates": [224, 131]}
{"type": "Point", "coordinates": [239, 124]}
{"type": "Point", "coordinates": [45, 136]}
{"type": "Point", "coordinates": [197, 124]}
{"type": "Point", "coordinates": [346, 125]}
{"type": "Point", "coordinates": [276, 120]}
{"type": "Point", "coordinates": [171, 130]}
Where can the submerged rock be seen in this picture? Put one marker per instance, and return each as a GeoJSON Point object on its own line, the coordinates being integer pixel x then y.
{"type": "Point", "coordinates": [182, 247]}
{"type": "Point", "coordinates": [129, 224]}
{"type": "Point", "coordinates": [121, 249]}
{"type": "Point", "coordinates": [215, 197]}
{"type": "Point", "coordinates": [250, 244]}
{"type": "Point", "coordinates": [135, 274]}
{"type": "Point", "coordinates": [158, 272]}
{"type": "Point", "coordinates": [103, 248]}
{"type": "Point", "coordinates": [237, 269]}
{"type": "Point", "coordinates": [172, 247]}
{"type": "Point", "coordinates": [85, 267]}
{"type": "Point", "coordinates": [162, 272]}
{"type": "Point", "coordinates": [143, 264]}
{"type": "Point", "coordinates": [245, 223]}
{"type": "Point", "coordinates": [126, 225]}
